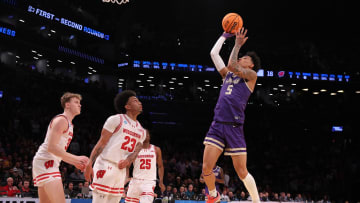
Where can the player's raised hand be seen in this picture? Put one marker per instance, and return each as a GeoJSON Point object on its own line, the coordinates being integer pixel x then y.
{"type": "Point", "coordinates": [241, 36]}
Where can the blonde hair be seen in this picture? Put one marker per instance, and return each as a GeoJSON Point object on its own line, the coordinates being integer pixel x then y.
{"type": "Point", "coordinates": [67, 96]}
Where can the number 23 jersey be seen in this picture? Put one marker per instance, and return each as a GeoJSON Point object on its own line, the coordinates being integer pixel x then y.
{"type": "Point", "coordinates": [127, 133]}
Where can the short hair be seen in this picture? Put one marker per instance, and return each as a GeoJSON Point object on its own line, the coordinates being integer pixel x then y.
{"type": "Point", "coordinates": [67, 96]}
{"type": "Point", "coordinates": [255, 59]}
{"type": "Point", "coordinates": [121, 100]}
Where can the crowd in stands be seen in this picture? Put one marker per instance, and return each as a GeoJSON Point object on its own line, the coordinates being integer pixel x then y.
{"type": "Point", "coordinates": [292, 159]}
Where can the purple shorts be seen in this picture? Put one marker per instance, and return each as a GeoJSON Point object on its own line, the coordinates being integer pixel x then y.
{"type": "Point", "coordinates": [228, 137]}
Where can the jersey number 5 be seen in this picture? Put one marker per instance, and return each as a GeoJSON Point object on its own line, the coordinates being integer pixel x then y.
{"type": "Point", "coordinates": [125, 146]}
{"type": "Point", "coordinates": [145, 163]}
{"type": "Point", "coordinates": [229, 89]}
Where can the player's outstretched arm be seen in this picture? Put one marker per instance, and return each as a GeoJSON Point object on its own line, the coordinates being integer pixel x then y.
{"type": "Point", "coordinates": [99, 147]}
{"type": "Point", "coordinates": [215, 55]}
{"type": "Point", "coordinates": [233, 64]}
{"type": "Point", "coordinates": [159, 162]}
{"type": "Point", "coordinates": [131, 158]}
{"type": "Point", "coordinates": [58, 126]}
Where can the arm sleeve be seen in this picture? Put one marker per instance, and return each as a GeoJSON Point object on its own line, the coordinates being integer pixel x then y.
{"type": "Point", "coordinates": [219, 63]}
{"type": "Point", "coordinates": [112, 123]}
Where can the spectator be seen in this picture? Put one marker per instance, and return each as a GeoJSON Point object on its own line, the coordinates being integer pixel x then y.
{"type": "Point", "coordinates": [70, 192]}
{"type": "Point", "coordinates": [182, 192]}
{"type": "Point", "coordinates": [76, 175]}
{"type": "Point", "coordinates": [25, 189]}
{"type": "Point", "coordinates": [9, 190]}
{"type": "Point", "coordinates": [282, 197]}
{"type": "Point", "coordinates": [232, 197]}
{"type": "Point", "coordinates": [175, 193]}
{"type": "Point", "coordinates": [202, 195]}
{"type": "Point", "coordinates": [85, 190]}
{"type": "Point", "coordinates": [168, 191]}
{"type": "Point", "coordinates": [275, 197]}
{"type": "Point", "coordinates": [288, 197]}
{"type": "Point", "coordinates": [243, 196]}
{"type": "Point", "coordinates": [299, 198]}
{"type": "Point", "coordinates": [224, 197]}
{"type": "Point", "coordinates": [190, 192]}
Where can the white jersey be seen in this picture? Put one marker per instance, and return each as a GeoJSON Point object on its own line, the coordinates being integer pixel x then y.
{"type": "Point", "coordinates": [145, 164]}
{"type": "Point", "coordinates": [64, 142]}
{"type": "Point", "coordinates": [126, 134]}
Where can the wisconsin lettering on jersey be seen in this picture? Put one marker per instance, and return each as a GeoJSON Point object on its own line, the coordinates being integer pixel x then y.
{"type": "Point", "coordinates": [145, 156]}
{"type": "Point", "coordinates": [129, 132]}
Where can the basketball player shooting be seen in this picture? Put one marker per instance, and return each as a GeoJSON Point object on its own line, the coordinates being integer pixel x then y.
{"type": "Point", "coordinates": [226, 131]}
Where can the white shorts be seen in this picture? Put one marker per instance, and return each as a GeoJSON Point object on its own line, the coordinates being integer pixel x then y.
{"type": "Point", "coordinates": [140, 190]}
{"type": "Point", "coordinates": [108, 178]}
{"type": "Point", "coordinates": [45, 170]}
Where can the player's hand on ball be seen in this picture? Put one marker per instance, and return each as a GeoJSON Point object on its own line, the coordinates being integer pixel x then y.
{"type": "Point", "coordinates": [123, 164]}
{"type": "Point", "coordinates": [227, 35]}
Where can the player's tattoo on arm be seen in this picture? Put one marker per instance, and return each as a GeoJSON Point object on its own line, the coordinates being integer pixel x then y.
{"type": "Point", "coordinates": [234, 57]}
{"type": "Point", "coordinates": [133, 155]}
{"type": "Point", "coordinates": [96, 152]}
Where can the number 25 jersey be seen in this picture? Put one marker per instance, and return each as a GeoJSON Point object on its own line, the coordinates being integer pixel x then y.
{"type": "Point", "coordinates": [145, 164]}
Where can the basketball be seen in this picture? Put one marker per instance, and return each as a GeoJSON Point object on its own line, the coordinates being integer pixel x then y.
{"type": "Point", "coordinates": [232, 22]}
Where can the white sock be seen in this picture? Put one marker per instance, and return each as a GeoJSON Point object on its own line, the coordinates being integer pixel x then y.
{"type": "Point", "coordinates": [213, 193]}
{"type": "Point", "coordinates": [250, 185]}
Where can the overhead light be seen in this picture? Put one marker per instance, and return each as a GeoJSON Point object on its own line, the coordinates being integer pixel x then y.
{"type": "Point", "coordinates": [180, 83]}
{"type": "Point", "coordinates": [206, 81]}
{"type": "Point", "coordinates": [259, 84]}
{"type": "Point", "coordinates": [148, 80]}
{"type": "Point", "coordinates": [21, 20]}
{"type": "Point", "coordinates": [138, 81]}
{"type": "Point", "coordinates": [72, 62]}
{"type": "Point", "coordinates": [152, 85]}
{"type": "Point", "coordinates": [40, 55]}
{"type": "Point", "coordinates": [173, 78]}
{"type": "Point", "coordinates": [207, 85]}
{"type": "Point", "coordinates": [151, 77]}
{"type": "Point", "coordinates": [141, 73]}
{"type": "Point", "coordinates": [120, 79]}
{"type": "Point", "coordinates": [17, 57]}
{"type": "Point", "coordinates": [53, 31]}
{"type": "Point", "coordinates": [305, 89]}
{"type": "Point", "coordinates": [90, 73]}
{"type": "Point", "coordinates": [94, 71]}
{"type": "Point", "coordinates": [216, 87]}
{"type": "Point", "coordinates": [186, 77]}
{"type": "Point", "coordinates": [33, 51]}
{"type": "Point", "coordinates": [315, 93]}
{"type": "Point", "coordinates": [35, 57]}
{"type": "Point", "coordinates": [60, 61]}
{"type": "Point", "coordinates": [90, 67]}
{"type": "Point", "coordinates": [293, 84]}
{"type": "Point", "coordinates": [323, 90]}
{"type": "Point", "coordinates": [171, 81]}
{"type": "Point", "coordinates": [357, 92]}
{"type": "Point", "coordinates": [141, 86]}
{"type": "Point", "coordinates": [332, 93]}
{"type": "Point", "coordinates": [340, 91]}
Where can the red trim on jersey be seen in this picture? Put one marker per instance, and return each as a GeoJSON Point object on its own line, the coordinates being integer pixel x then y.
{"type": "Point", "coordinates": [108, 187]}
{"type": "Point", "coordinates": [39, 178]}
{"type": "Point", "coordinates": [44, 174]}
{"type": "Point", "coordinates": [147, 194]}
{"type": "Point", "coordinates": [135, 201]}
{"type": "Point", "coordinates": [66, 120]}
{"type": "Point", "coordinates": [120, 124]}
{"type": "Point", "coordinates": [132, 198]}
{"type": "Point", "coordinates": [125, 116]}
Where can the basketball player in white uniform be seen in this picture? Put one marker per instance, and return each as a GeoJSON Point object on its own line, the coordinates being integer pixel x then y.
{"type": "Point", "coordinates": [141, 186]}
{"type": "Point", "coordinates": [52, 151]}
{"type": "Point", "coordinates": [120, 142]}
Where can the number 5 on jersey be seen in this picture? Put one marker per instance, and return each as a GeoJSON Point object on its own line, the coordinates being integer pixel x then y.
{"type": "Point", "coordinates": [229, 89]}
{"type": "Point", "coordinates": [129, 144]}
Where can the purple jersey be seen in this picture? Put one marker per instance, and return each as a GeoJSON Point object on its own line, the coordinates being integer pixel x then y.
{"type": "Point", "coordinates": [232, 101]}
